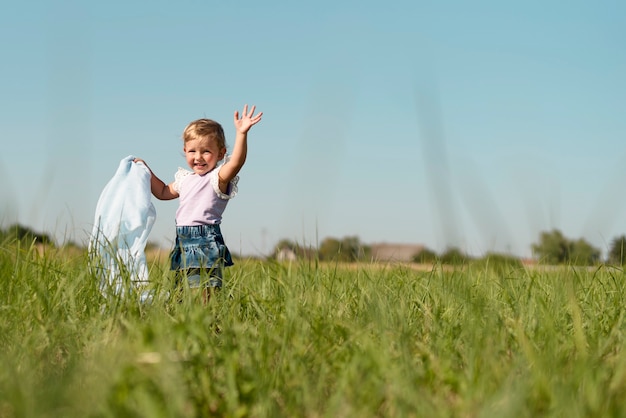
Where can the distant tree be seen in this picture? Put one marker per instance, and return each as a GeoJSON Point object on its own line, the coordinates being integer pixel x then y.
{"type": "Point", "coordinates": [617, 251]}
{"type": "Point", "coordinates": [347, 249]}
{"type": "Point", "coordinates": [554, 248]}
{"type": "Point", "coordinates": [583, 254]}
{"type": "Point", "coordinates": [453, 256]}
{"type": "Point", "coordinates": [425, 256]}
{"type": "Point", "coordinates": [353, 249]}
{"type": "Point", "coordinates": [350, 248]}
{"type": "Point", "coordinates": [365, 252]}
{"type": "Point", "coordinates": [501, 263]}
{"type": "Point", "coordinates": [329, 249]}
{"type": "Point", "coordinates": [18, 232]}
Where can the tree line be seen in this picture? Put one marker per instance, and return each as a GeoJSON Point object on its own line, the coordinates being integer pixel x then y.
{"type": "Point", "coordinates": [554, 248]}
{"type": "Point", "coordinates": [551, 248]}
{"type": "Point", "coordinates": [26, 235]}
{"type": "Point", "coordinates": [351, 249]}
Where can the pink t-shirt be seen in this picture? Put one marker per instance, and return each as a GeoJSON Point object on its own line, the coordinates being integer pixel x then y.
{"type": "Point", "coordinates": [201, 200]}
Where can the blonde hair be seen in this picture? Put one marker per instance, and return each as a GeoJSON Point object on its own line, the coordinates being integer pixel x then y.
{"type": "Point", "coordinates": [205, 129]}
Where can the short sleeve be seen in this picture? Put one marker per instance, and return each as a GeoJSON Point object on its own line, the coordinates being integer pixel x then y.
{"type": "Point", "coordinates": [232, 186]}
{"type": "Point", "coordinates": [179, 176]}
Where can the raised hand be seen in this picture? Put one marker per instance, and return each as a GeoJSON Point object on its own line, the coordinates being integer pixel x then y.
{"type": "Point", "coordinates": [244, 122]}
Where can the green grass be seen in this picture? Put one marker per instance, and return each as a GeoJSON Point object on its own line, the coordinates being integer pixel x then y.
{"type": "Point", "coordinates": [313, 340]}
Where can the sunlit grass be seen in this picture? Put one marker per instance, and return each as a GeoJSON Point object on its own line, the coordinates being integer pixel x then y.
{"type": "Point", "coordinates": [313, 340]}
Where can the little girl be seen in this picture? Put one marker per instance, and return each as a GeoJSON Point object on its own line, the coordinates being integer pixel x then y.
{"type": "Point", "coordinates": [204, 192]}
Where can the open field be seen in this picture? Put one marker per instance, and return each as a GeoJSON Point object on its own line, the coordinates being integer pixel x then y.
{"type": "Point", "coordinates": [313, 340]}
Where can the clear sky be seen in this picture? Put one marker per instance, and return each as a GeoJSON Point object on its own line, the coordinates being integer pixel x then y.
{"type": "Point", "coordinates": [472, 124]}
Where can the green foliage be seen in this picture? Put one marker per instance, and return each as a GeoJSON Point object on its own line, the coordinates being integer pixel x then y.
{"type": "Point", "coordinates": [617, 251]}
{"type": "Point", "coordinates": [313, 339]}
{"type": "Point", "coordinates": [453, 256]}
{"type": "Point", "coordinates": [502, 264]}
{"type": "Point", "coordinates": [552, 247]}
{"type": "Point", "coordinates": [330, 248]}
{"type": "Point", "coordinates": [582, 253]}
{"type": "Point", "coordinates": [24, 234]}
{"type": "Point", "coordinates": [426, 256]}
{"type": "Point", "coordinates": [348, 249]}
{"type": "Point", "coordinates": [555, 248]}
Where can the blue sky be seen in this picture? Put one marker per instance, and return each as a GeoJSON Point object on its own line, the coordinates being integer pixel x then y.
{"type": "Point", "coordinates": [470, 124]}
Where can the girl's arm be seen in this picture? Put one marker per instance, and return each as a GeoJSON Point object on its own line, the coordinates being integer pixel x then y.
{"type": "Point", "coordinates": [159, 189]}
{"type": "Point", "coordinates": [240, 150]}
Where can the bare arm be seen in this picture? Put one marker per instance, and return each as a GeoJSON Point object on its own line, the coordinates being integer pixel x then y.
{"type": "Point", "coordinates": [159, 189]}
{"type": "Point", "coordinates": [240, 150]}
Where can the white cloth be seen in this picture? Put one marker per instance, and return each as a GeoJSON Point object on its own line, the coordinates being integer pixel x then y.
{"type": "Point", "coordinates": [124, 218]}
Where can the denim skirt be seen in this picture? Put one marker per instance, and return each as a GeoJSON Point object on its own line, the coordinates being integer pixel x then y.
{"type": "Point", "coordinates": [199, 246]}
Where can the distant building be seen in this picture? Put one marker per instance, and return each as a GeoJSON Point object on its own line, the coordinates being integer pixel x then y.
{"type": "Point", "coordinates": [286, 254]}
{"type": "Point", "coordinates": [528, 261]}
{"type": "Point", "coordinates": [395, 252]}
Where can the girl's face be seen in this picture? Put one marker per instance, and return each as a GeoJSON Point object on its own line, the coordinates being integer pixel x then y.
{"type": "Point", "coordinates": [202, 155]}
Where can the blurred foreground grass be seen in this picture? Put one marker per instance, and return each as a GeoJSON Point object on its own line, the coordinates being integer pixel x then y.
{"type": "Point", "coordinates": [312, 340]}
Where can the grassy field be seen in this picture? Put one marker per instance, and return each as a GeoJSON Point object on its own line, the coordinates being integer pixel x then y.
{"type": "Point", "coordinates": [313, 340]}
